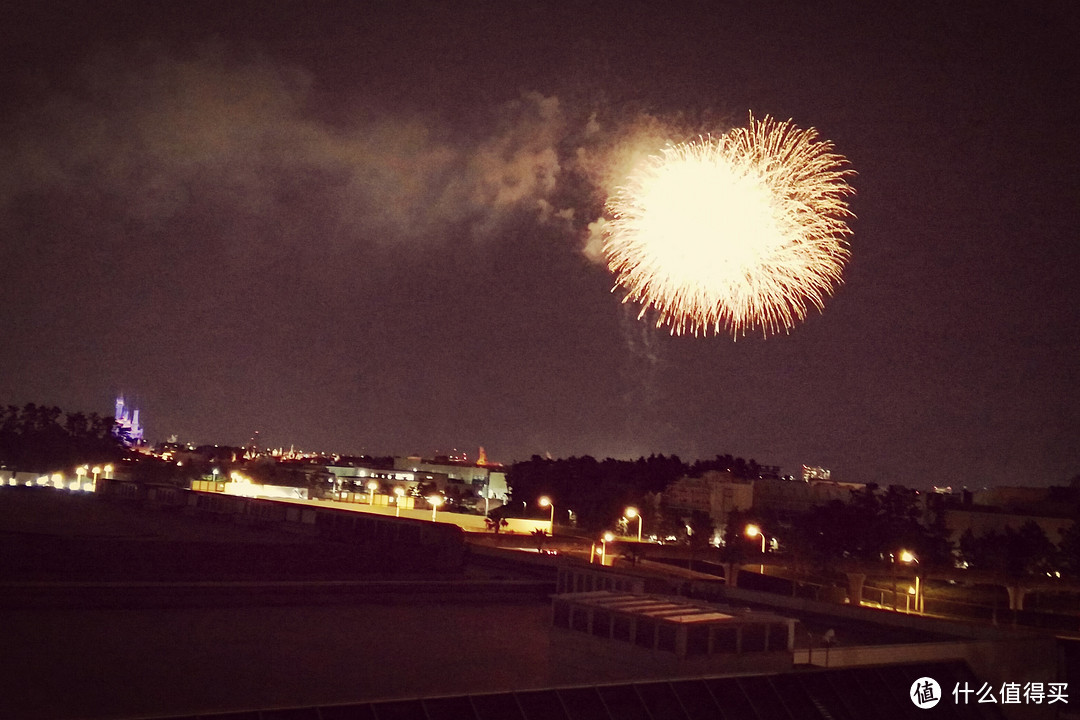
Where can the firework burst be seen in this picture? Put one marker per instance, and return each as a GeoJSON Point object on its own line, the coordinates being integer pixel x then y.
{"type": "Point", "coordinates": [741, 232]}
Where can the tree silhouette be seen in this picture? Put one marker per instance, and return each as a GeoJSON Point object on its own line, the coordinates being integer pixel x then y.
{"type": "Point", "coordinates": [33, 439]}
{"type": "Point", "coordinates": [539, 536]}
{"type": "Point", "coordinates": [1069, 551]}
{"type": "Point", "coordinates": [1014, 553]}
{"type": "Point", "coordinates": [496, 524]}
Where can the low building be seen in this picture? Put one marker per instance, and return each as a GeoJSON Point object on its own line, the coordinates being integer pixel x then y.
{"type": "Point", "coordinates": [675, 636]}
{"type": "Point", "coordinates": [715, 493]}
{"type": "Point", "coordinates": [486, 480]}
{"type": "Point", "coordinates": [352, 478]}
{"type": "Point", "coordinates": [794, 497]}
{"type": "Point", "coordinates": [982, 521]}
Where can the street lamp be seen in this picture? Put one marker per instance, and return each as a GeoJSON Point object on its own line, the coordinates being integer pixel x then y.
{"type": "Point", "coordinates": [400, 492]}
{"type": "Point", "coordinates": [907, 557]}
{"type": "Point", "coordinates": [607, 537]}
{"type": "Point", "coordinates": [80, 472]}
{"type": "Point", "coordinates": [546, 502]}
{"type": "Point", "coordinates": [372, 487]}
{"type": "Point", "coordinates": [436, 501]}
{"type": "Point", "coordinates": [108, 472]}
{"type": "Point", "coordinates": [96, 471]}
{"type": "Point", "coordinates": [632, 513]}
{"type": "Point", "coordinates": [754, 531]}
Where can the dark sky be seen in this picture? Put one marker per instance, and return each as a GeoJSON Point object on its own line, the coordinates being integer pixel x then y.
{"type": "Point", "coordinates": [362, 227]}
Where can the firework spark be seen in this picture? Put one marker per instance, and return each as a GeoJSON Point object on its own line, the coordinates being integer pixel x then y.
{"type": "Point", "coordinates": [740, 232]}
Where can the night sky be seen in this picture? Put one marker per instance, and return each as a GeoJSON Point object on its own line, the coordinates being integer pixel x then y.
{"type": "Point", "coordinates": [365, 227]}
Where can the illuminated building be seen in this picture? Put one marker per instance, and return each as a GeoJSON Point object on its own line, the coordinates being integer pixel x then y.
{"type": "Point", "coordinates": [815, 473]}
{"type": "Point", "coordinates": [126, 424]}
{"type": "Point", "coordinates": [486, 477]}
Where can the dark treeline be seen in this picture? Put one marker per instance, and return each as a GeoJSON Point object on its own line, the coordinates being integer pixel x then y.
{"type": "Point", "coordinates": [1023, 551]}
{"type": "Point", "coordinates": [598, 491]}
{"type": "Point", "coordinates": [38, 438]}
{"type": "Point", "coordinates": [874, 525]}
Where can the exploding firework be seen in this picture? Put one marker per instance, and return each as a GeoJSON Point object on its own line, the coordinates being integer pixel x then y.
{"type": "Point", "coordinates": [740, 232]}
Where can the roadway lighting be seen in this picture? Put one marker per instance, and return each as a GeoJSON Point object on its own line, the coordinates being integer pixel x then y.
{"type": "Point", "coordinates": [436, 501]}
{"type": "Point", "coordinates": [97, 471]}
{"type": "Point", "coordinates": [607, 537]}
{"type": "Point", "coordinates": [632, 513]}
{"type": "Point", "coordinates": [80, 472]}
{"type": "Point", "coordinates": [907, 557]}
{"type": "Point", "coordinates": [400, 492]}
{"type": "Point", "coordinates": [372, 487]}
{"type": "Point", "coordinates": [545, 502]}
{"type": "Point", "coordinates": [108, 472]}
{"type": "Point", "coordinates": [754, 531]}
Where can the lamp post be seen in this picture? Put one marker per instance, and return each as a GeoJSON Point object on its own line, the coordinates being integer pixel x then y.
{"type": "Point", "coordinates": [80, 472]}
{"type": "Point", "coordinates": [400, 492]}
{"type": "Point", "coordinates": [755, 531]}
{"type": "Point", "coordinates": [436, 501]}
{"type": "Point", "coordinates": [632, 513]}
{"type": "Point", "coordinates": [96, 471]}
{"type": "Point", "coordinates": [372, 486]}
{"type": "Point", "coordinates": [908, 558]}
{"type": "Point", "coordinates": [108, 472]}
{"type": "Point", "coordinates": [546, 502]}
{"type": "Point", "coordinates": [607, 537]}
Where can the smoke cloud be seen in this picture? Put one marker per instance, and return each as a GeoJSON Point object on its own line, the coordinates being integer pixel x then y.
{"type": "Point", "coordinates": [155, 130]}
{"type": "Point", "coordinates": [152, 136]}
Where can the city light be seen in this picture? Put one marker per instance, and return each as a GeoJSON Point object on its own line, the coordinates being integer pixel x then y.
{"type": "Point", "coordinates": [400, 493]}
{"type": "Point", "coordinates": [632, 513]}
{"type": "Point", "coordinates": [546, 502]}
{"type": "Point", "coordinates": [372, 487]}
{"type": "Point", "coordinates": [604, 540]}
{"type": "Point", "coordinates": [436, 501]}
{"type": "Point", "coordinates": [755, 531]}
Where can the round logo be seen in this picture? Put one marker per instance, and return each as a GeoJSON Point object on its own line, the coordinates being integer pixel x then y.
{"type": "Point", "coordinates": [925, 693]}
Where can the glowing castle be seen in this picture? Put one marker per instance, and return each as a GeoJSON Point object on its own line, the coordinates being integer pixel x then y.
{"type": "Point", "coordinates": [126, 424]}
